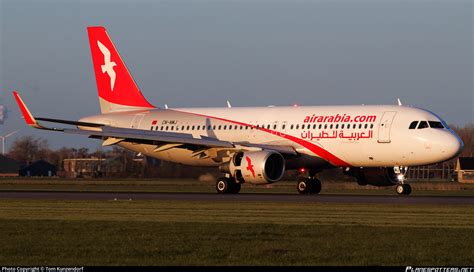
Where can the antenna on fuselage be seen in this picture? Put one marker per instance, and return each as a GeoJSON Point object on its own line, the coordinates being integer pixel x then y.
{"type": "Point", "coordinates": [228, 104]}
{"type": "Point", "coordinates": [399, 102]}
{"type": "Point", "coordinates": [166, 106]}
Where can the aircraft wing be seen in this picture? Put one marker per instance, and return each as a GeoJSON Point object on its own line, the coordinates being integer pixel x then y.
{"type": "Point", "coordinates": [163, 140]}
{"type": "Point", "coordinates": [152, 137]}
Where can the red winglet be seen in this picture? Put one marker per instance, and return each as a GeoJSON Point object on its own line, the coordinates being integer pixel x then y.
{"type": "Point", "coordinates": [29, 119]}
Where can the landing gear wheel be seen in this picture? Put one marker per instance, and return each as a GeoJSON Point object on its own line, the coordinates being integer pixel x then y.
{"type": "Point", "coordinates": [223, 185]}
{"type": "Point", "coordinates": [407, 188]}
{"type": "Point", "coordinates": [235, 188]}
{"type": "Point", "coordinates": [308, 186]}
{"type": "Point", "coordinates": [403, 189]}
{"type": "Point", "coordinates": [315, 187]}
{"type": "Point", "coordinates": [303, 186]}
{"type": "Point", "coordinates": [227, 186]}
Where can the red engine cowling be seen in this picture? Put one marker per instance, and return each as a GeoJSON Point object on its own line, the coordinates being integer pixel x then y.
{"type": "Point", "coordinates": [257, 167]}
{"type": "Point", "coordinates": [376, 176]}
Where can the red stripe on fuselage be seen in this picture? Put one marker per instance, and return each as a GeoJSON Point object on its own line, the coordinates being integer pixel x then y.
{"type": "Point", "coordinates": [321, 152]}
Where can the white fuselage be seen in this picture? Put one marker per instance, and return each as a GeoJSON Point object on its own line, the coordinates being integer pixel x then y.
{"type": "Point", "coordinates": [349, 136]}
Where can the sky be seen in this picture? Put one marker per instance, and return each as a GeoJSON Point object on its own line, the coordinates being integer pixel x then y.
{"type": "Point", "coordinates": [252, 52]}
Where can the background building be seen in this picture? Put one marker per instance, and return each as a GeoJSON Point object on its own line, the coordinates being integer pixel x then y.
{"type": "Point", "coordinates": [8, 167]}
{"type": "Point", "coordinates": [465, 169]}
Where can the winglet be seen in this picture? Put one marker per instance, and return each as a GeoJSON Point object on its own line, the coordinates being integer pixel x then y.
{"type": "Point", "coordinates": [29, 119]}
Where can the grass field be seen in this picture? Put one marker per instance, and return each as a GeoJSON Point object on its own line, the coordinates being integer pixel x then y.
{"type": "Point", "coordinates": [50, 232]}
{"type": "Point", "coordinates": [189, 185]}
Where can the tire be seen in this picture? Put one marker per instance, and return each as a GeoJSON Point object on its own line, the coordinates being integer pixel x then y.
{"type": "Point", "coordinates": [235, 188]}
{"type": "Point", "coordinates": [407, 188]}
{"type": "Point", "coordinates": [315, 187]}
{"type": "Point", "coordinates": [401, 189]}
{"type": "Point", "coordinates": [223, 185]}
{"type": "Point", "coordinates": [303, 186]}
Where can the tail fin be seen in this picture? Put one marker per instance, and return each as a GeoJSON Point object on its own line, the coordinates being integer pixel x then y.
{"type": "Point", "coordinates": [116, 87]}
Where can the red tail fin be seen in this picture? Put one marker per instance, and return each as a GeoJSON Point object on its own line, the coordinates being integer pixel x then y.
{"type": "Point", "coordinates": [116, 87]}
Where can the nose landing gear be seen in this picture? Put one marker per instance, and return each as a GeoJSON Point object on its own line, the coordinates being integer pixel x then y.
{"type": "Point", "coordinates": [402, 187]}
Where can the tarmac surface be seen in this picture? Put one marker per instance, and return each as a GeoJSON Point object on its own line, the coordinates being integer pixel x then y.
{"type": "Point", "coordinates": [392, 199]}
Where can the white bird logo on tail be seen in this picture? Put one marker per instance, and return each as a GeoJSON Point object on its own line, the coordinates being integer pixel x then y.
{"type": "Point", "coordinates": [108, 64]}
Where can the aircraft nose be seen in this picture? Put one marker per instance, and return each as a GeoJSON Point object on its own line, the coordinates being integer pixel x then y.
{"type": "Point", "coordinates": [453, 146]}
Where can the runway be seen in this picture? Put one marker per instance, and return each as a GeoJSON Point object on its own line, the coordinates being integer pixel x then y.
{"type": "Point", "coordinates": [393, 199]}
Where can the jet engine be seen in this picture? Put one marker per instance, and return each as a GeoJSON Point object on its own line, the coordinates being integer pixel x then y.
{"type": "Point", "coordinates": [257, 167]}
{"type": "Point", "coordinates": [376, 176]}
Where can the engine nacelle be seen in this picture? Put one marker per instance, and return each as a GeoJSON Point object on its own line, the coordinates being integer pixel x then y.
{"type": "Point", "coordinates": [257, 167]}
{"type": "Point", "coordinates": [376, 176]}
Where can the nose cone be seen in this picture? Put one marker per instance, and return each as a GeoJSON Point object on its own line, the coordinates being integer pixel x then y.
{"type": "Point", "coordinates": [453, 146]}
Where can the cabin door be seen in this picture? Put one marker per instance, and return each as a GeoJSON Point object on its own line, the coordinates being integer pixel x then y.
{"type": "Point", "coordinates": [137, 119]}
{"type": "Point", "coordinates": [385, 125]}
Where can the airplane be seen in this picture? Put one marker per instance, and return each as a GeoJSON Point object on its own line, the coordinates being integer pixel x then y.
{"type": "Point", "coordinates": [373, 143]}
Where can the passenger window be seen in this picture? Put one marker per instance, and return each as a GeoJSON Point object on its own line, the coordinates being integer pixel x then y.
{"type": "Point", "coordinates": [342, 126]}
{"type": "Point", "coordinates": [219, 127]}
{"type": "Point", "coordinates": [365, 126]}
{"type": "Point", "coordinates": [241, 127]}
{"type": "Point", "coordinates": [291, 127]}
{"type": "Point", "coordinates": [187, 128]}
{"type": "Point", "coordinates": [325, 126]}
{"type": "Point", "coordinates": [330, 127]}
{"type": "Point", "coordinates": [182, 127]}
{"type": "Point", "coordinates": [413, 125]}
{"type": "Point", "coordinates": [297, 126]}
{"type": "Point", "coordinates": [156, 128]}
{"type": "Point", "coordinates": [268, 126]}
{"type": "Point", "coordinates": [314, 126]}
{"type": "Point", "coordinates": [274, 126]}
{"type": "Point", "coordinates": [354, 126]}
{"type": "Point", "coordinates": [435, 124]}
{"type": "Point", "coordinates": [320, 126]}
{"type": "Point", "coordinates": [423, 124]}
{"type": "Point", "coordinates": [161, 128]}
{"type": "Point", "coordinates": [360, 126]}
{"type": "Point", "coordinates": [371, 125]}
{"type": "Point", "coordinates": [151, 128]}
{"type": "Point", "coordinates": [225, 127]}
{"type": "Point", "coordinates": [166, 127]}
{"type": "Point", "coordinates": [283, 127]}
{"type": "Point", "coordinates": [302, 126]}
{"type": "Point", "coordinates": [192, 128]}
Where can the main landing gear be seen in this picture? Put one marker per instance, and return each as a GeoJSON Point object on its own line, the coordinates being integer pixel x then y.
{"type": "Point", "coordinates": [225, 185]}
{"type": "Point", "coordinates": [309, 185]}
{"type": "Point", "coordinates": [402, 187]}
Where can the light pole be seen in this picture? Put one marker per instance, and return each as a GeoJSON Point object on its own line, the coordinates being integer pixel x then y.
{"type": "Point", "coordinates": [5, 137]}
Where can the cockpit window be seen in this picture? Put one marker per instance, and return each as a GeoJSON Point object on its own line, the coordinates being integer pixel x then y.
{"type": "Point", "coordinates": [413, 125]}
{"type": "Point", "coordinates": [423, 124]}
{"type": "Point", "coordinates": [435, 124]}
